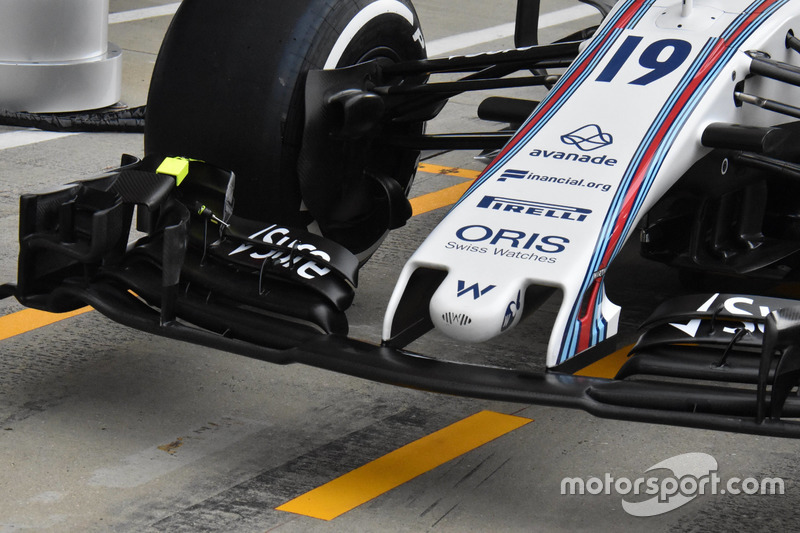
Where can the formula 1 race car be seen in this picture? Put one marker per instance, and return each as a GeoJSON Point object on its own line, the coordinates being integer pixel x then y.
{"type": "Point", "coordinates": [671, 122]}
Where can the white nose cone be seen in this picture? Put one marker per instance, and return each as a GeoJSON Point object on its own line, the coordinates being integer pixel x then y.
{"type": "Point", "coordinates": [472, 310]}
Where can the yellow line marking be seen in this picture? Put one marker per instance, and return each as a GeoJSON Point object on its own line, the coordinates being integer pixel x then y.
{"type": "Point", "coordinates": [441, 198]}
{"type": "Point", "coordinates": [30, 319]}
{"type": "Point", "coordinates": [444, 197]}
{"type": "Point", "coordinates": [448, 171]}
{"type": "Point", "coordinates": [404, 464]}
{"type": "Point", "coordinates": [608, 366]}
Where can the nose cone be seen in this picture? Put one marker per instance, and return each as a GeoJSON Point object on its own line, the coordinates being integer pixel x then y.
{"type": "Point", "coordinates": [472, 310]}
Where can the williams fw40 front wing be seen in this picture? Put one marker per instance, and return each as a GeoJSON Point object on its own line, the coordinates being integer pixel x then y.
{"type": "Point", "coordinates": [278, 294]}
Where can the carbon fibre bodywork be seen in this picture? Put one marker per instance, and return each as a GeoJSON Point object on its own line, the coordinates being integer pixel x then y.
{"type": "Point", "coordinates": [705, 178]}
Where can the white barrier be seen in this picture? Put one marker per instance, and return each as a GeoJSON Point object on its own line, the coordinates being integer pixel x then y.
{"type": "Point", "coordinates": [55, 56]}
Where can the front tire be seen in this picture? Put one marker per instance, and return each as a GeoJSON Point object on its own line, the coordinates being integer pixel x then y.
{"type": "Point", "coordinates": [228, 87]}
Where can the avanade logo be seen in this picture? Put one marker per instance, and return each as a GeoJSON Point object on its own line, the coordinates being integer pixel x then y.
{"type": "Point", "coordinates": [586, 139]}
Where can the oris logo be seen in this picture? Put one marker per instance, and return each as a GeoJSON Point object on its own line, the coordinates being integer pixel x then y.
{"type": "Point", "coordinates": [548, 244]}
{"type": "Point", "coordinates": [588, 138]}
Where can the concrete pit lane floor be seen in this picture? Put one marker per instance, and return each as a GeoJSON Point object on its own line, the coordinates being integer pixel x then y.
{"type": "Point", "coordinates": [103, 428]}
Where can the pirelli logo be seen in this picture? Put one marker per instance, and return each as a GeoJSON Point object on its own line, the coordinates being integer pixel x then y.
{"type": "Point", "coordinates": [539, 209]}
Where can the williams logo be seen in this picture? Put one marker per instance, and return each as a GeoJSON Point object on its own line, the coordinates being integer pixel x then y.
{"type": "Point", "coordinates": [473, 289]}
{"type": "Point", "coordinates": [588, 138]}
{"type": "Point", "coordinates": [538, 209]}
{"type": "Point", "coordinates": [457, 319]}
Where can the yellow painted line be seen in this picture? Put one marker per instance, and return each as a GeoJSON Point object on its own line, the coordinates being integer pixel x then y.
{"type": "Point", "coordinates": [30, 319]}
{"type": "Point", "coordinates": [404, 464]}
{"type": "Point", "coordinates": [448, 171]}
{"type": "Point", "coordinates": [440, 198]}
{"type": "Point", "coordinates": [444, 197]}
{"type": "Point", "coordinates": [608, 366]}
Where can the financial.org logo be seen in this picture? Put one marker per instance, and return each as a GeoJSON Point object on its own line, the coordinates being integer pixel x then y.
{"type": "Point", "coordinates": [588, 138]}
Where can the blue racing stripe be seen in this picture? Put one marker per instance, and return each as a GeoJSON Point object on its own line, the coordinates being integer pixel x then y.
{"type": "Point", "coordinates": [570, 341]}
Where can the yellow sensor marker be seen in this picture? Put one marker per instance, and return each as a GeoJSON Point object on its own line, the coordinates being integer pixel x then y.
{"type": "Point", "coordinates": [174, 166]}
{"type": "Point", "coordinates": [207, 213]}
{"type": "Point", "coordinates": [404, 464]}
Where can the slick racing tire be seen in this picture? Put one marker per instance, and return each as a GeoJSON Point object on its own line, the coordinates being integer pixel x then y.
{"type": "Point", "coordinates": [228, 87]}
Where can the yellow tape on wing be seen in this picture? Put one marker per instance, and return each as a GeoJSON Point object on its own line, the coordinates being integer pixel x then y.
{"type": "Point", "coordinates": [174, 166]}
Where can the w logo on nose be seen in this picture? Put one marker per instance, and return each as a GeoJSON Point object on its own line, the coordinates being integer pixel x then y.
{"type": "Point", "coordinates": [475, 289]}
{"type": "Point", "coordinates": [588, 138]}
